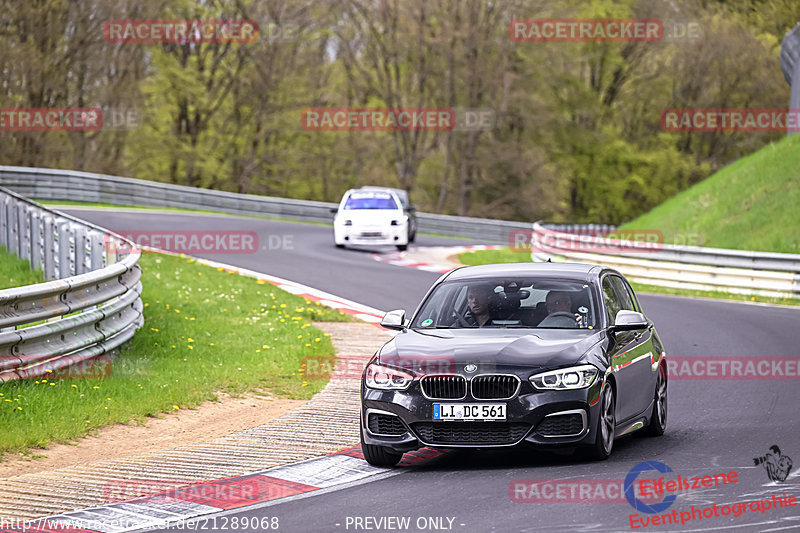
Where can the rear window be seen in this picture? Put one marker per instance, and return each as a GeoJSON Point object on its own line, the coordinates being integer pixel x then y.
{"type": "Point", "coordinates": [370, 200]}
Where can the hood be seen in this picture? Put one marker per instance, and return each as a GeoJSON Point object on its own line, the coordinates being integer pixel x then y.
{"type": "Point", "coordinates": [539, 349]}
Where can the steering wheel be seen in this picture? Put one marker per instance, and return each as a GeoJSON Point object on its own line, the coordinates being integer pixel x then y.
{"type": "Point", "coordinates": [561, 314]}
{"type": "Point", "coordinates": [461, 320]}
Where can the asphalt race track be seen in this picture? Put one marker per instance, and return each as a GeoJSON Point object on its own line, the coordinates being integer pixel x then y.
{"type": "Point", "coordinates": [714, 426]}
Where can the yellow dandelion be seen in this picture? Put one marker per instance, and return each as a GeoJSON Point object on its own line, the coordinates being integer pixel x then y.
{"type": "Point", "coordinates": [95, 387]}
{"type": "Point", "coordinates": [190, 339]}
{"type": "Point", "coordinates": [261, 282]}
{"type": "Point", "coordinates": [52, 384]}
{"type": "Point", "coordinates": [175, 407]}
{"type": "Point", "coordinates": [74, 386]}
{"type": "Point", "coordinates": [190, 347]}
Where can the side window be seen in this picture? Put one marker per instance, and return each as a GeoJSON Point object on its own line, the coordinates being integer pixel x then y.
{"type": "Point", "coordinates": [625, 300]}
{"type": "Point", "coordinates": [610, 299]}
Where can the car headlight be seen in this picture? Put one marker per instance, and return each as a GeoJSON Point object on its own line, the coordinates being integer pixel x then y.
{"type": "Point", "coordinates": [387, 378]}
{"type": "Point", "coordinates": [348, 222]}
{"type": "Point", "coordinates": [576, 377]}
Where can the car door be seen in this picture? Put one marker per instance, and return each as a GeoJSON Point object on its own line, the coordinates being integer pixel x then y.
{"type": "Point", "coordinates": [621, 355]}
{"type": "Point", "coordinates": [641, 350]}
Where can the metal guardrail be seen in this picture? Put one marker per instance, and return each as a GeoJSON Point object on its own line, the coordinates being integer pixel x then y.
{"type": "Point", "coordinates": [90, 305]}
{"type": "Point", "coordinates": [678, 266]}
{"type": "Point", "coordinates": [69, 185]}
{"type": "Point", "coordinates": [687, 267]}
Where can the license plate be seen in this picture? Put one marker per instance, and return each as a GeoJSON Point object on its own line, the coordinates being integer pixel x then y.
{"type": "Point", "coordinates": [469, 411]}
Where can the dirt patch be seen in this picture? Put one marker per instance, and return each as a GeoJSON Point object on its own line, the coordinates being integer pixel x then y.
{"type": "Point", "coordinates": [187, 426]}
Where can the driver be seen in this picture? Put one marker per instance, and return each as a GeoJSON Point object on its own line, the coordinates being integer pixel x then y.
{"type": "Point", "coordinates": [478, 303]}
{"type": "Point", "coordinates": [560, 302]}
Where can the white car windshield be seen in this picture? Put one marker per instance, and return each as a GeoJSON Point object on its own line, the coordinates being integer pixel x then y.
{"type": "Point", "coordinates": [509, 303]}
{"type": "Point", "coordinates": [370, 201]}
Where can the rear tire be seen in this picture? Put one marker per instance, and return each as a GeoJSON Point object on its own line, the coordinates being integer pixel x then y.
{"type": "Point", "coordinates": [379, 455]}
{"type": "Point", "coordinates": [606, 425]}
{"type": "Point", "coordinates": [658, 418]}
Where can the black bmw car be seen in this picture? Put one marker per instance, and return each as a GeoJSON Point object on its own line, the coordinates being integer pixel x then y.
{"type": "Point", "coordinates": [547, 354]}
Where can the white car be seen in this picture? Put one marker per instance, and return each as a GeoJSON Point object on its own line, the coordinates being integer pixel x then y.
{"type": "Point", "coordinates": [375, 216]}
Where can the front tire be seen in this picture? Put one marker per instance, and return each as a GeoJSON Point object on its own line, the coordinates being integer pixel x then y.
{"type": "Point", "coordinates": [658, 418]}
{"type": "Point", "coordinates": [606, 425]}
{"type": "Point", "coordinates": [402, 247]}
{"type": "Point", "coordinates": [340, 245]}
{"type": "Point", "coordinates": [379, 455]}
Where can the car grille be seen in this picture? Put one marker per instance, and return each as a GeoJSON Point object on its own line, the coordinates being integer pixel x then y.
{"type": "Point", "coordinates": [371, 234]}
{"type": "Point", "coordinates": [444, 387]}
{"type": "Point", "coordinates": [381, 424]}
{"type": "Point", "coordinates": [497, 387]}
{"type": "Point", "coordinates": [560, 425]}
{"type": "Point", "coordinates": [470, 433]}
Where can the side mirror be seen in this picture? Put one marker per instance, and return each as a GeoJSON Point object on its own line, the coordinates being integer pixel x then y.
{"type": "Point", "coordinates": [629, 320]}
{"type": "Point", "coordinates": [394, 320]}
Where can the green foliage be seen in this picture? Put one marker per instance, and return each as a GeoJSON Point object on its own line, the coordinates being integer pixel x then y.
{"type": "Point", "coordinates": [577, 135]}
{"type": "Point", "coordinates": [749, 205]}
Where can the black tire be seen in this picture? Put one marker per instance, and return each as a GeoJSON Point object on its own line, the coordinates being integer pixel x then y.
{"type": "Point", "coordinates": [411, 237]}
{"type": "Point", "coordinates": [658, 418]}
{"type": "Point", "coordinates": [379, 455]}
{"type": "Point", "coordinates": [340, 245]}
{"type": "Point", "coordinates": [402, 247]}
{"type": "Point", "coordinates": [606, 424]}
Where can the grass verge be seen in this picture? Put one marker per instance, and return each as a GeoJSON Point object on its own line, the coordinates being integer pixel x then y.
{"type": "Point", "coordinates": [16, 272]}
{"type": "Point", "coordinates": [508, 255]}
{"type": "Point", "coordinates": [748, 205]}
{"type": "Point", "coordinates": [206, 331]}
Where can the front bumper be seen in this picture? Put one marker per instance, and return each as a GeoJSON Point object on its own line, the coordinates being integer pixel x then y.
{"type": "Point", "coordinates": [526, 415]}
{"type": "Point", "coordinates": [357, 235]}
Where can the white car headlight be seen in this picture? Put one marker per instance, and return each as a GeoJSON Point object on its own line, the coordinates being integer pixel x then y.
{"type": "Point", "coordinates": [387, 378]}
{"type": "Point", "coordinates": [576, 377]}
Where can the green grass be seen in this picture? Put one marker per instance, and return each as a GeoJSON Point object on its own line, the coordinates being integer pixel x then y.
{"type": "Point", "coordinates": [751, 204]}
{"type": "Point", "coordinates": [206, 331]}
{"type": "Point", "coordinates": [16, 272]}
{"type": "Point", "coordinates": [509, 255]}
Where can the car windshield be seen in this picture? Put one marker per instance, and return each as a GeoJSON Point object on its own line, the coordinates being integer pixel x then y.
{"type": "Point", "coordinates": [508, 303]}
{"type": "Point", "coordinates": [372, 200]}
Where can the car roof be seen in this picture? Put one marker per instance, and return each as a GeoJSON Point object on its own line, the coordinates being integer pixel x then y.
{"type": "Point", "coordinates": [578, 271]}
{"type": "Point", "coordinates": [402, 194]}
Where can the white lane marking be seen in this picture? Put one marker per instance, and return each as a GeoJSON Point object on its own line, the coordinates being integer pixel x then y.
{"type": "Point", "coordinates": [326, 471]}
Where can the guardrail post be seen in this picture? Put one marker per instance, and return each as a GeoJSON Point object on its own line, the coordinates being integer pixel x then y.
{"type": "Point", "coordinates": [64, 245]}
{"type": "Point", "coordinates": [4, 204]}
{"type": "Point", "coordinates": [36, 239]}
{"type": "Point", "coordinates": [96, 244]}
{"type": "Point", "coordinates": [49, 248]}
{"type": "Point", "coordinates": [80, 250]}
